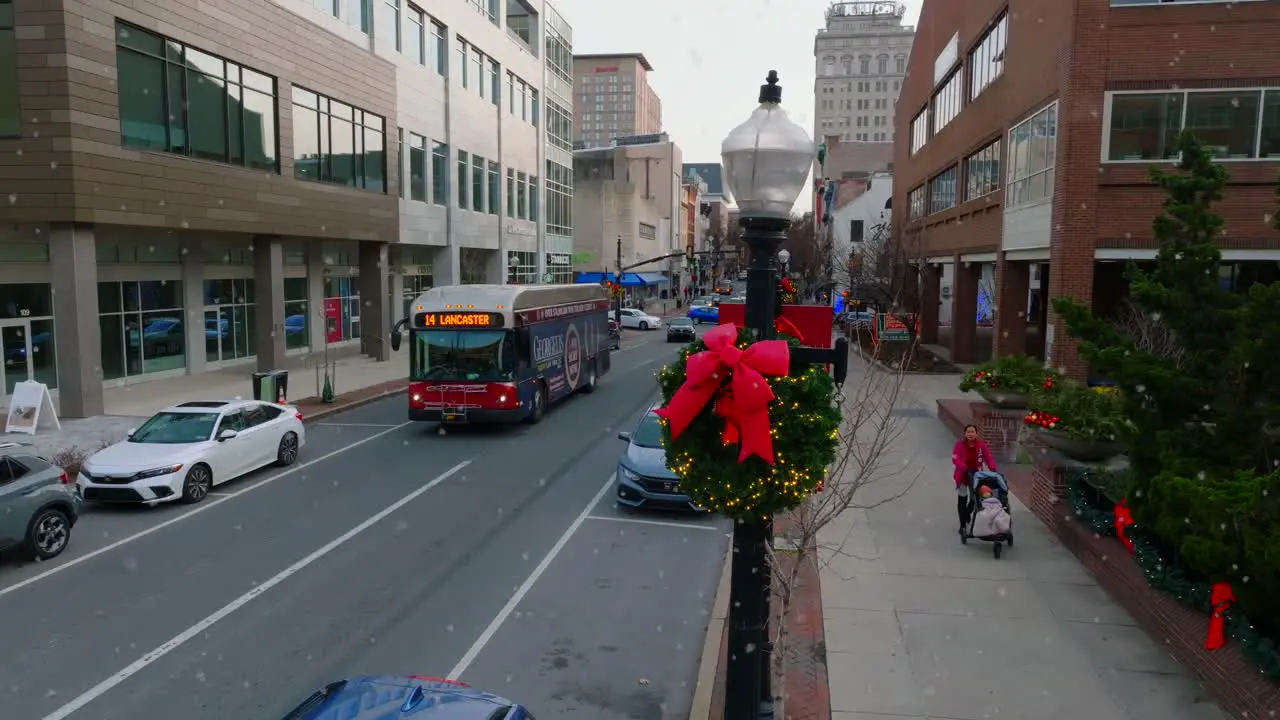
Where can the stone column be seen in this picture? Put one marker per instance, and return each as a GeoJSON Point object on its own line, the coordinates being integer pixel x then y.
{"type": "Point", "coordinates": [193, 301]}
{"type": "Point", "coordinates": [375, 316]}
{"type": "Point", "coordinates": [316, 332]}
{"type": "Point", "coordinates": [77, 338]}
{"type": "Point", "coordinates": [496, 269]}
{"type": "Point", "coordinates": [964, 310]}
{"type": "Point", "coordinates": [1013, 282]}
{"type": "Point", "coordinates": [930, 302]}
{"type": "Point", "coordinates": [268, 287]}
{"type": "Point", "coordinates": [446, 268]}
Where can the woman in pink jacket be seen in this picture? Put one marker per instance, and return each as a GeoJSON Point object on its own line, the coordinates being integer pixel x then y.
{"type": "Point", "coordinates": [969, 456]}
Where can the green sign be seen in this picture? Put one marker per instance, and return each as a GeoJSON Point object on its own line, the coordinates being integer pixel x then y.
{"type": "Point", "coordinates": [889, 327]}
{"type": "Point", "coordinates": [583, 258]}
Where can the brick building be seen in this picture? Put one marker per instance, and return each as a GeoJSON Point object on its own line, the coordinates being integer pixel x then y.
{"type": "Point", "coordinates": [1027, 129]}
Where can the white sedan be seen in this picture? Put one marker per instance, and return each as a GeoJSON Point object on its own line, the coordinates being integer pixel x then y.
{"type": "Point", "coordinates": [181, 452]}
{"type": "Point", "coordinates": [632, 318]}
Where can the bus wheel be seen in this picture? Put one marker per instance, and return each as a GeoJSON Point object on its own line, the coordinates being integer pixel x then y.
{"type": "Point", "coordinates": [539, 405]}
{"type": "Point", "coordinates": [592, 379]}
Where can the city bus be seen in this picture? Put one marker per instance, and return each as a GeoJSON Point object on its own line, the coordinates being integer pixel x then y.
{"type": "Point", "coordinates": [502, 353]}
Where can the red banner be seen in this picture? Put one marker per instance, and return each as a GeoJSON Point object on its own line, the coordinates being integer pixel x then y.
{"type": "Point", "coordinates": [813, 321]}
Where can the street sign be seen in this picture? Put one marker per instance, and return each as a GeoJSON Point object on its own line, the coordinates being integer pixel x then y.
{"type": "Point", "coordinates": [889, 327]}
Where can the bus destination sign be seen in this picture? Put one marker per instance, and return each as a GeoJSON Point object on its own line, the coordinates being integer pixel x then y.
{"type": "Point", "coordinates": [458, 320]}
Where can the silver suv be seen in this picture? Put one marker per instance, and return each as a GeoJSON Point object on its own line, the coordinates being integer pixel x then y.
{"type": "Point", "coordinates": [38, 502]}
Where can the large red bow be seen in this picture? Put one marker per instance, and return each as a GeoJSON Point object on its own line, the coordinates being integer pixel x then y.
{"type": "Point", "coordinates": [745, 403]}
{"type": "Point", "coordinates": [1221, 599]}
{"type": "Point", "coordinates": [1124, 518]}
{"type": "Point", "coordinates": [784, 326]}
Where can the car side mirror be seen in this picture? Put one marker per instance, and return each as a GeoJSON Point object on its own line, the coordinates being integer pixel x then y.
{"type": "Point", "coordinates": [396, 336]}
{"type": "Point", "coordinates": [226, 435]}
{"type": "Point", "coordinates": [624, 436]}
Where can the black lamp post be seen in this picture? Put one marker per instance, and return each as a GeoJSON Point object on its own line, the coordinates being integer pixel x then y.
{"type": "Point", "coordinates": [767, 161]}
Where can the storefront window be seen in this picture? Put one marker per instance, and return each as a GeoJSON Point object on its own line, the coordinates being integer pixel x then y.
{"type": "Point", "coordinates": [229, 320]}
{"type": "Point", "coordinates": [522, 268]}
{"type": "Point", "coordinates": [296, 318]}
{"type": "Point", "coordinates": [141, 326]}
{"type": "Point", "coordinates": [341, 309]}
{"type": "Point", "coordinates": [414, 285]}
{"type": "Point", "coordinates": [25, 300]}
{"type": "Point", "coordinates": [472, 264]}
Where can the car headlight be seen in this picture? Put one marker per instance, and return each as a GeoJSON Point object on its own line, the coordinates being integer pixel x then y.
{"type": "Point", "coordinates": [157, 472]}
{"type": "Point", "coordinates": [627, 474]}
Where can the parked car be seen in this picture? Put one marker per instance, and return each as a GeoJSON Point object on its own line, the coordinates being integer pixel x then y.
{"type": "Point", "coordinates": [413, 696]}
{"type": "Point", "coordinates": [705, 314]}
{"type": "Point", "coordinates": [681, 330]}
{"type": "Point", "coordinates": [181, 452]}
{"type": "Point", "coordinates": [643, 478]}
{"type": "Point", "coordinates": [632, 318]}
{"type": "Point", "coordinates": [38, 502]}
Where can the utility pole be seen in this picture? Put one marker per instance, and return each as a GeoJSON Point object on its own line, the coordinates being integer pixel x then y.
{"type": "Point", "coordinates": [617, 301]}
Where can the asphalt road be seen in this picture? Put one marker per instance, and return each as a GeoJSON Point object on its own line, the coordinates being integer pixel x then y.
{"type": "Point", "coordinates": [493, 555]}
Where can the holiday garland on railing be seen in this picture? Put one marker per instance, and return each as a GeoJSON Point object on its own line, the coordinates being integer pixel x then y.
{"type": "Point", "coordinates": [745, 437]}
{"type": "Point", "coordinates": [1168, 578]}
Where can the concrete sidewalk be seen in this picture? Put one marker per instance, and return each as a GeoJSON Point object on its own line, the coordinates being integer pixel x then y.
{"type": "Point", "coordinates": [920, 626]}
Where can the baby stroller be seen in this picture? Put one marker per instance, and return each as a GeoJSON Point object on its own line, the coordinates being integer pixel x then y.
{"type": "Point", "coordinates": [1000, 492]}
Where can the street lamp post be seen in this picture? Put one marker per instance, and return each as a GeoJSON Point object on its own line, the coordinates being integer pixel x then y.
{"type": "Point", "coordinates": [617, 299]}
{"type": "Point", "coordinates": [767, 161]}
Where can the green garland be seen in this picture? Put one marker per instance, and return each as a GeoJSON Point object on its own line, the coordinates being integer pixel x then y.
{"type": "Point", "coordinates": [1166, 577]}
{"type": "Point", "coordinates": [805, 421]}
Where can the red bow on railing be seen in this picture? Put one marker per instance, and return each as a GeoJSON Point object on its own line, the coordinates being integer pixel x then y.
{"type": "Point", "coordinates": [785, 327]}
{"type": "Point", "coordinates": [1124, 519]}
{"type": "Point", "coordinates": [1221, 599]}
{"type": "Point", "coordinates": [744, 404]}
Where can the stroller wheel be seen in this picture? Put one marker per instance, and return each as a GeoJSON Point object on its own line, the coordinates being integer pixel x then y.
{"type": "Point", "coordinates": [996, 549]}
{"type": "Point", "coordinates": [1010, 539]}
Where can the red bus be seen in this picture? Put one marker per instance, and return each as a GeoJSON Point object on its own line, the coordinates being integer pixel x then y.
{"type": "Point", "coordinates": [502, 353]}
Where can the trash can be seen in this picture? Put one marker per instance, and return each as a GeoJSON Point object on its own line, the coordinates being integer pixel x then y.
{"type": "Point", "coordinates": [271, 386]}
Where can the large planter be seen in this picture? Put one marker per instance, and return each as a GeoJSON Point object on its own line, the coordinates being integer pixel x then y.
{"type": "Point", "coordinates": [1005, 400]}
{"type": "Point", "coordinates": [1080, 449]}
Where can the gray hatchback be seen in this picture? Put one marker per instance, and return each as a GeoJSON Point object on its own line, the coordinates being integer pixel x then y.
{"type": "Point", "coordinates": [38, 502]}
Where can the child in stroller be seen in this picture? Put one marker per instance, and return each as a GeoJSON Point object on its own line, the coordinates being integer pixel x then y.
{"type": "Point", "coordinates": [989, 511]}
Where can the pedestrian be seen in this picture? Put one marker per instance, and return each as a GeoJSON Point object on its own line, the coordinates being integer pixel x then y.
{"type": "Point", "coordinates": [970, 455]}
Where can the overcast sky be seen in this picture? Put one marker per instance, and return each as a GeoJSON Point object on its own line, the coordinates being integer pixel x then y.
{"type": "Point", "coordinates": [710, 57]}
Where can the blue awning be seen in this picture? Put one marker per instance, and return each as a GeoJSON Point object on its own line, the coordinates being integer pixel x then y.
{"type": "Point", "coordinates": [598, 278]}
{"type": "Point", "coordinates": [654, 278]}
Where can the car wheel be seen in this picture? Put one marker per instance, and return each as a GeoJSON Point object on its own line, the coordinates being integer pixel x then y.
{"type": "Point", "coordinates": [198, 484]}
{"type": "Point", "coordinates": [48, 534]}
{"type": "Point", "coordinates": [644, 325]}
{"type": "Point", "coordinates": [592, 379]}
{"type": "Point", "coordinates": [287, 453]}
{"type": "Point", "coordinates": [539, 405]}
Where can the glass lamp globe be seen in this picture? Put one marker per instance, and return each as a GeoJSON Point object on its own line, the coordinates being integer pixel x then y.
{"type": "Point", "coordinates": [767, 159]}
{"type": "Point", "coordinates": [784, 256]}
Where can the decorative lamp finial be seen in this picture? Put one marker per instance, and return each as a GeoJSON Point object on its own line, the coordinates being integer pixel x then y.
{"type": "Point", "coordinates": [771, 91]}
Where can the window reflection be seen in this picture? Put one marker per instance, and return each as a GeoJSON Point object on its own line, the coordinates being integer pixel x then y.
{"type": "Point", "coordinates": [336, 143]}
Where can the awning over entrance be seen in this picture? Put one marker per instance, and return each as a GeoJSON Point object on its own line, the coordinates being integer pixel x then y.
{"type": "Point", "coordinates": [597, 278]}
{"type": "Point", "coordinates": [654, 278]}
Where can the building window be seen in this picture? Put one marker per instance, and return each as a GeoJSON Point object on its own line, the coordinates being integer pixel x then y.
{"type": "Point", "coordinates": [511, 93]}
{"type": "Point", "coordinates": [1233, 124]}
{"type": "Point", "coordinates": [142, 329]}
{"type": "Point", "coordinates": [10, 112]}
{"type": "Point", "coordinates": [946, 102]}
{"type": "Point", "coordinates": [360, 15]}
{"type": "Point", "coordinates": [229, 318]}
{"type": "Point", "coordinates": [389, 23]}
{"type": "Point", "coordinates": [522, 186]}
{"type": "Point", "coordinates": [440, 174]}
{"type": "Point", "coordinates": [495, 189]}
{"type": "Point", "coordinates": [478, 70]}
{"type": "Point", "coordinates": [559, 203]}
{"type": "Point", "coordinates": [1033, 149]}
{"type": "Point", "coordinates": [533, 198]}
{"type": "Point", "coordinates": [440, 47]}
{"type": "Point", "coordinates": [559, 56]}
{"type": "Point", "coordinates": [559, 125]}
{"type": "Point", "coordinates": [864, 64]}
{"type": "Point", "coordinates": [533, 107]}
{"type": "Point", "coordinates": [341, 308]}
{"type": "Point", "coordinates": [982, 172]}
{"type": "Point", "coordinates": [337, 143]}
{"type": "Point", "coordinates": [900, 65]}
{"type": "Point", "coordinates": [915, 204]}
{"type": "Point", "coordinates": [919, 131]}
{"type": "Point", "coordinates": [511, 193]}
{"type": "Point", "coordinates": [297, 320]}
{"type": "Point", "coordinates": [415, 35]}
{"type": "Point", "coordinates": [882, 64]}
{"type": "Point", "coordinates": [942, 190]}
{"type": "Point", "coordinates": [328, 7]}
{"type": "Point", "coordinates": [464, 166]}
{"type": "Point", "coordinates": [177, 99]}
{"type": "Point", "coordinates": [417, 167]}
{"type": "Point", "coordinates": [495, 83]}
{"type": "Point", "coordinates": [462, 61]}
{"type": "Point", "coordinates": [986, 61]}
{"type": "Point", "coordinates": [477, 183]}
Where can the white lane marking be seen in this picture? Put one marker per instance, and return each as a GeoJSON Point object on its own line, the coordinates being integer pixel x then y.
{"type": "Point", "coordinates": [358, 425]}
{"type": "Point", "coordinates": [222, 498]}
{"type": "Point", "coordinates": [222, 494]}
{"type": "Point", "coordinates": [659, 523]}
{"type": "Point", "coordinates": [177, 641]}
{"type": "Point", "coordinates": [486, 636]}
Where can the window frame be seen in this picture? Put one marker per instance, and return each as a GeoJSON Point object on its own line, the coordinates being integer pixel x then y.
{"type": "Point", "coordinates": [360, 126]}
{"type": "Point", "coordinates": [996, 183]}
{"type": "Point", "coordinates": [1010, 163]}
{"type": "Point", "coordinates": [1109, 103]}
{"type": "Point", "coordinates": [951, 173]}
{"type": "Point", "coordinates": [999, 28]}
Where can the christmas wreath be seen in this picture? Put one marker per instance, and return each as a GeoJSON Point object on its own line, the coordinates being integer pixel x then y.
{"type": "Point", "coordinates": [746, 438]}
{"type": "Point", "coordinates": [787, 291]}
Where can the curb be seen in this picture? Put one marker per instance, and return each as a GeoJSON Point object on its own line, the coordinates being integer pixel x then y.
{"type": "Point", "coordinates": [709, 665]}
{"type": "Point", "coordinates": [326, 410]}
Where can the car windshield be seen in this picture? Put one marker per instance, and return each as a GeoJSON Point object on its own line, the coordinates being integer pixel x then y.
{"type": "Point", "coordinates": [467, 355]}
{"type": "Point", "coordinates": [173, 428]}
{"type": "Point", "coordinates": [649, 433]}
{"type": "Point", "coordinates": [685, 322]}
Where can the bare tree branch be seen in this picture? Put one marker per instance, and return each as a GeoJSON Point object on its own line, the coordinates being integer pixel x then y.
{"type": "Point", "coordinates": [1150, 333]}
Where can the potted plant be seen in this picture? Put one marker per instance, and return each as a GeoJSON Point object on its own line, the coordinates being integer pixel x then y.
{"type": "Point", "coordinates": [1009, 381]}
{"type": "Point", "coordinates": [1083, 423]}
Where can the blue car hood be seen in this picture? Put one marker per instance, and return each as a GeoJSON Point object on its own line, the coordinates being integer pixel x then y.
{"type": "Point", "coordinates": [649, 462]}
{"type": "Point", "coordinates": [382, 698]}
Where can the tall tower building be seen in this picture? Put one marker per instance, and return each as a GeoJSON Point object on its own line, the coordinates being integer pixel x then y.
{"type": "Point", "coordinates": [861, 60]}
{"type": "Point", "coordinates": [614, 98]}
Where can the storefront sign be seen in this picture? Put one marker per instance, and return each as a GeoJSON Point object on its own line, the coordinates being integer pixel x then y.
{"type": "Point", "coordinates": [606, 69]}
{"type": "Point", "coordinates": [583, 258]}
{"type": "Point", "coordinates": [513, 229]}
{"type": "Point", "coordinates": [458, 320]}
{"type": "Point", "coordinates": [559, 259]}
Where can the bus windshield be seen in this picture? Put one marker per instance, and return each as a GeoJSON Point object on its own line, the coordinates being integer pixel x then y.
{"type": "Point", "coordinates": [465, 355]}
